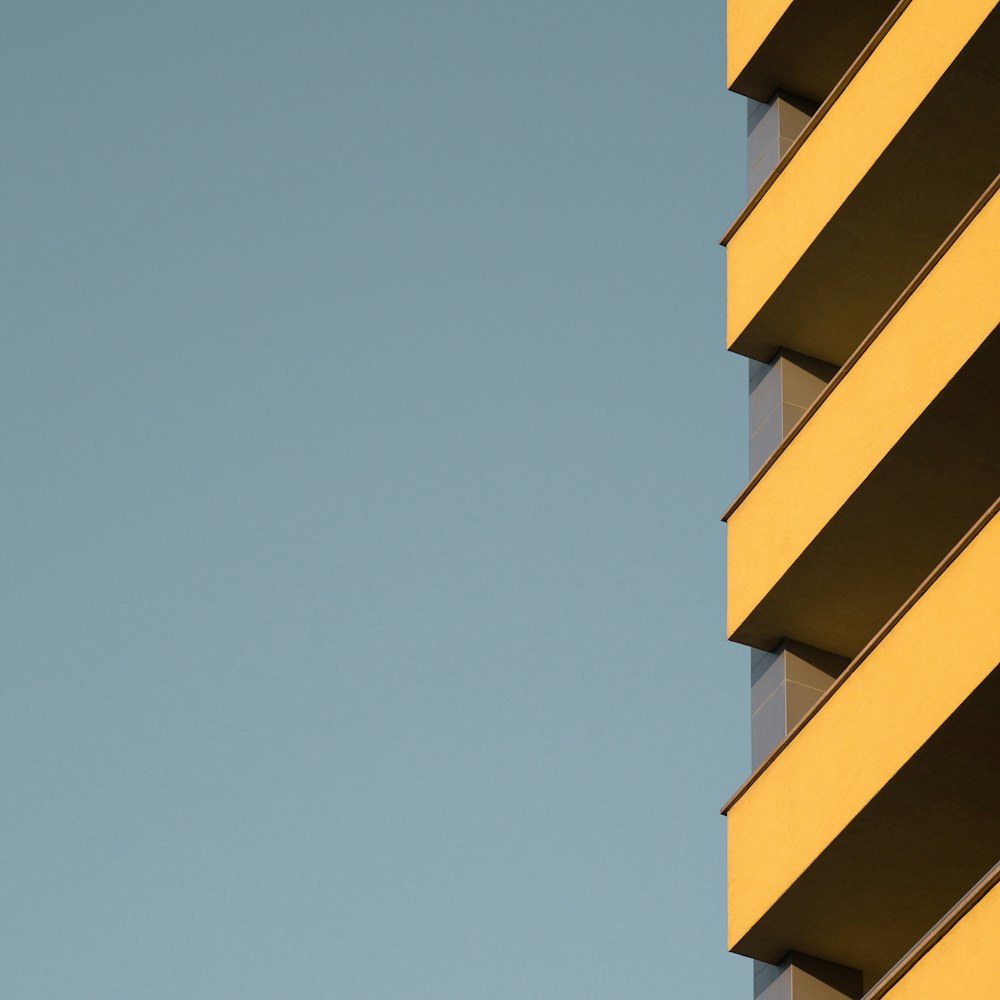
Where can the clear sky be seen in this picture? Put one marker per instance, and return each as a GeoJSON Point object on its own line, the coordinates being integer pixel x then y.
{"type": "Point", "coordinates": [365, 426]}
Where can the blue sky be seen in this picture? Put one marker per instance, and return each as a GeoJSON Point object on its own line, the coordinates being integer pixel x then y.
{"type": "Point", "coordinates": [365, 427]}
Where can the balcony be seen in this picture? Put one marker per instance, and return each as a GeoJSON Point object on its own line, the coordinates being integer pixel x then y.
{"type": "Point", "coordinates": [879, 812]}
{"type": "Point", "coordinates": [887, 471]}
{"type": "Point", "coordinates": [872, 189]}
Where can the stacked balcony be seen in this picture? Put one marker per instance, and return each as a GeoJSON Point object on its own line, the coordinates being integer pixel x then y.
{"type": "Point", "coordinates": [864, 553]}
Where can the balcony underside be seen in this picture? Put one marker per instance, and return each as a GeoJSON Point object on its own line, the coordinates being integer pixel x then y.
{"type": "Point", "coordinates": [805, 48]}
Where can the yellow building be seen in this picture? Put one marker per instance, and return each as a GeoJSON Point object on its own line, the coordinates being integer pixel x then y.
{"type": "Point", "coordinates": [864, 553]}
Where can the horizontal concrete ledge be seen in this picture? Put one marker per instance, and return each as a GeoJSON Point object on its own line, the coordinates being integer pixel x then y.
{"type": "Point", "coordinates": [819, 115]}
{"type": "Point", "coordinates": [903, 855]}
{"type": "Point", "coordinates": [967, 903]}
{"type": "Point", "coordinates": [967, 540]}
{"type": "Point", "coordinates": [865, 344]}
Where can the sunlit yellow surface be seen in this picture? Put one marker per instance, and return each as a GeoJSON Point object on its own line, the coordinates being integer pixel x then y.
{"type": "Point", "coordinates": [901, 71]}
{"type": "Point", "coordinates": [964, 964]}
{"type": "Point", "coordinates": [927, 342]}
{"type": "Point", "coordinates": [846, 753]}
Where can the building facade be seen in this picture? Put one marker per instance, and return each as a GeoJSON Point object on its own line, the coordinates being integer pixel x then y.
{"type": "Point", "coordinates": [864, 553]}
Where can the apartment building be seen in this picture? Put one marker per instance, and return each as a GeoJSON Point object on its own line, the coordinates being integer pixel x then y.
{"type": "Point", "coordinates": [864, 553]}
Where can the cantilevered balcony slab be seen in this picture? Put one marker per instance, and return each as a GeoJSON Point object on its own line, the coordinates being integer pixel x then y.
{"type": "Point", "coordinates": [803, 46]}
{"type": "Point", "coordinates": [887, 472]}
{"type": "Point", "coordinates": [870, 191]}
{"type": "Point", "coordinates": [879, 812]}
